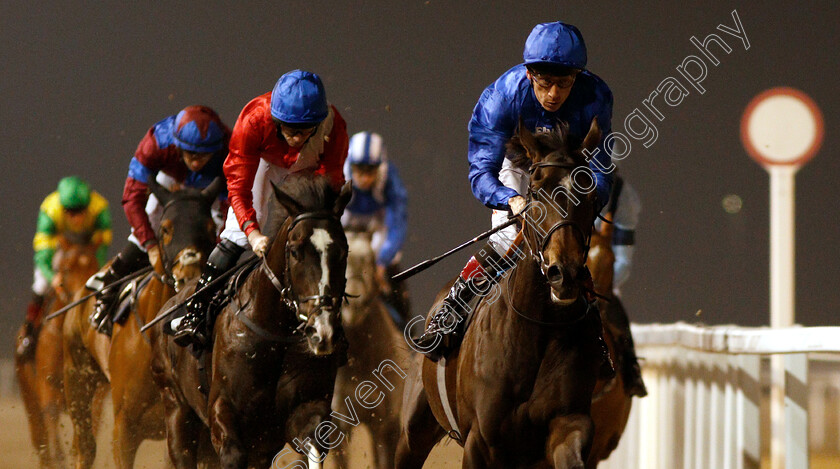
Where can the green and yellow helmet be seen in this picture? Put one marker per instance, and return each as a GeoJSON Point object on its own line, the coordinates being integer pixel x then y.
{"type": "Point", "coordinates": [73, 193]}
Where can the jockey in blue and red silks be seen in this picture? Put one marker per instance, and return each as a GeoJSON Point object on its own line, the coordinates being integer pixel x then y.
{"type": "Point", "coordinates": [552, 85]}
{"type": "Point", "coordinates": [186, 149]}
{"type": "Point", "coordinates": [379, 206]}
{"type": "Point", "coordinates": [292, 129]}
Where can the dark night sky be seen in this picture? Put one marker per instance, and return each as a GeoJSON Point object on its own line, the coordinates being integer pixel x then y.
{"type": "Point", "coordinates": [81, 85]}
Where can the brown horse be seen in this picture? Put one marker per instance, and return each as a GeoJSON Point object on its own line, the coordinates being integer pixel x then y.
{"type": "Point", "coordinates": [610, 403]}
{"type": "Point", "coordinates": [276, 345]}
{"type": "Point", "coordinates": [41, 379]}
{"type": "Point", "coordinates": [518, 392]}
{"type": "Point", "coordinates": [375, 345]}
{"type": "Point", "coordinates": [186, 234]}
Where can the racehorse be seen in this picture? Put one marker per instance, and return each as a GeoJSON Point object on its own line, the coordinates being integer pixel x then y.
{"type": "Point", "coordinates": [186, 234]}
{"type": "Point", "coordinates": [276, 346]}
{"type": "Point", "coordinates": [375, 345]}
{"type": "Point", "coordinates": [41, 379]}
{"type": "Point", "coordinates": [518, 391]}
{"type": "Point", "coordinates": [610, 403]}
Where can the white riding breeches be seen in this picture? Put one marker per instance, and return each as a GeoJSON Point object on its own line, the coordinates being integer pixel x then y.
{"type": "Point", "coordinates": [516, 179]}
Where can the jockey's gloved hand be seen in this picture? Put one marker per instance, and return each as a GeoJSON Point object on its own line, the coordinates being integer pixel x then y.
{"type": "Point", "coordinates": [258, 242]}
{"type": "Point", "coordinates": [154, 258]}
{"type": "Point", "coordinates": [517, 204]}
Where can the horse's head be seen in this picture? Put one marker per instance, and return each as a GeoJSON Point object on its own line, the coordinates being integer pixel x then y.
{"type": "Point", "coordinates": [187, 231]}
{"type": "Point", "coordinates": [561, 208]}
{"type": "Point", "coordinates": [362, 286]}
{"type": "Point", "coordinates": [74, 264]}
{"type": "Point", "coordinates": [312, 249]}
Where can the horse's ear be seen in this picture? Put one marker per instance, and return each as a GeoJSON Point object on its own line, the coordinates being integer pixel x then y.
{"type": "Point", "coordinates": [343, 198]}
{"type": "Point", "coordinates": [528, 142]}
{"type": "Point", "coordinates": [213, 189]}
{"type": "Point", "coordinates": [163, 195]}
{"type": "Point", "coordinates": [291, 205]}
{"type": "Point", "coordinates": [593, 138]}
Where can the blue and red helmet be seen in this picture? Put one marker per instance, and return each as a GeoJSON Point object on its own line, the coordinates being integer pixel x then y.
{"type": "Point", "coordinates": [198, 129]}
{"type": "Point", "coordinates": [299, 98]}
{"type": "Point", "coordinates": [555, 44]}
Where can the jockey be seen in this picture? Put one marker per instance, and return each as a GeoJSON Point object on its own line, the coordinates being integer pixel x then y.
{"type": "Point", "coordinates": [379, 206]}
{"type": "Point", "coordinates": [184, 149]}
{"type": "Point", "coordinates": [81, 216]}
{"type": "Point", "coordinates": [288, 130]}
{"type": "Point", "coordinates": [551, 85]}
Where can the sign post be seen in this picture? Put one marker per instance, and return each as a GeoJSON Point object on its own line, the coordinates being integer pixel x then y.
{"type": "Point", "coordinates": [782, 129]}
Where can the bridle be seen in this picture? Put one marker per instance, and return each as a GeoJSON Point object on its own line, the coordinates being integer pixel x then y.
{"type": "Point", "coordinates": [284, 286]}
{"type": "Point", "coordinates": [168, 278]}
{"type": "Point", "coordinates": [538, 245]}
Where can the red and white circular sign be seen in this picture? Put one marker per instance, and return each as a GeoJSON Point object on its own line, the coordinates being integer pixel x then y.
{"type": "Point", "coordinates": [782, 126]}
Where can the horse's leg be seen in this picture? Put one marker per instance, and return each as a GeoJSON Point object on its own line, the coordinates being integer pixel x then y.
{"type": "Point", "coordinates": [49, 374]}
{"type": "Point", "coordinates": [183, 428]}
{"type": "Point", "coordinates": [385, 436]}
{"type": "Point", "coordinates": [419, 431]}
{"type": "Point", "coordinates": [80, 383]}
{"type": "Point", "coordinates": [570, 438]}
{"type": "Point", "coordinates": [224, 435]}
{"type": "Point", "coordinates": [476, 452]}
{"type": "Point", "coordinates": [25, 373]}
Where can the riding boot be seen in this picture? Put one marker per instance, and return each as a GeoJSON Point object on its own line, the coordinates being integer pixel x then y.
{"type": "Point", "coordinates": [448, 321]}
{"type": "Point", "coordinates": [129, 260]}
{"type": "Point", "coordinates": [26, 348]}
{"type": "Point", "coordinates": [192, 326]}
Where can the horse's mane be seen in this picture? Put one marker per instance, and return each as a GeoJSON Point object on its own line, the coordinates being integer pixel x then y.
{"type": "Point", "coordinates": [313, 193]}
{"type": "Point", "coordinates": [556, 143]}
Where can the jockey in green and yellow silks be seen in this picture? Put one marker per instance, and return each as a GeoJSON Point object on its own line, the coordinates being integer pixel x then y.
{"type": "Point", "coordinates": [79, 215]}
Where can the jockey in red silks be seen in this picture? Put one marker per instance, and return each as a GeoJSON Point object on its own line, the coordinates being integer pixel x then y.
{"type": "Point", "coordinates": [292, 129]}
{"type": "Point", "coordinates": [186, 149]}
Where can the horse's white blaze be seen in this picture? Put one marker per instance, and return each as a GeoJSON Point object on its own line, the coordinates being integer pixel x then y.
{"type": "Point", "coordinates": [321, 240]}
{"type": "Point", "coordinates": [312, 456]}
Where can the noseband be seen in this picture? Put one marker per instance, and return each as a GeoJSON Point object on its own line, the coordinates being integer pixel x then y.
{"type": "Point", "coordinates": [287, 293]}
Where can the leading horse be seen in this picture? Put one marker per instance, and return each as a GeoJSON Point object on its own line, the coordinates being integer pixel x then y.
{"type": "Point", "coordinates": [276, 345]}
{"type": "Point", "coordinates": [41, 379]}
{"type": "Point", "coordinates": [518, 391]}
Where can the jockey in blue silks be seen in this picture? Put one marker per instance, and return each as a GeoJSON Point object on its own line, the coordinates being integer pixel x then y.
{"type": "Point", "coordinates": [379, 206]}
{"type": "Point", "coordinates": [551, 85]}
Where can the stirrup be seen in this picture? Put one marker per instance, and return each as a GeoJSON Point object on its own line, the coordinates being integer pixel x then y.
{"type": "Point", "coordinates": [186, 329]}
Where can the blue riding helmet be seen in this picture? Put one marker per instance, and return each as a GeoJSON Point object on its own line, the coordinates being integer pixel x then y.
{"type": "Point", "coordinates": [556, 44]}
{"type": "Point", "coordinates": [198, 129]}
{"type": "Point", "coordinates": [299, 98]}
{"type": "Point", "coordinates": [366, 148]}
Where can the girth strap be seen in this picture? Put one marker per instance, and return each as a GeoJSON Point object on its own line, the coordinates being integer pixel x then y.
{"type": "Point", "coordinates": [440, 370]}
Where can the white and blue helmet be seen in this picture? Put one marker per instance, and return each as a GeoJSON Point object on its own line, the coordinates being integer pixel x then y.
{"type": "Point", "coordinates": [366, 148]}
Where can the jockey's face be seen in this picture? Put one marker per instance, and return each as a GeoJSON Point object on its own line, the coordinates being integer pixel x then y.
{"type": "Point", "coordinates": [195, 161]}
{"type": "Point", "coordinates": [296, 137]}
{"type": "Point", "coordinates": [551, 90]}
{"type": "Point", "coordinates": [364, 176]}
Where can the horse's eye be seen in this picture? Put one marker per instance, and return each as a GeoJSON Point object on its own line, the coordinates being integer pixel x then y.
{"type": "Point", "coordinates": [297, 251]}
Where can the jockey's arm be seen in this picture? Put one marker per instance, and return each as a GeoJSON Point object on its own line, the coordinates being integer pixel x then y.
{"type": "Point", "coordinates": [240, 169]}
{"type": "Point", "coordinates": [396, 217]}
{"type": "Point", "coordinates": [144, 165]}
{"type": "Point", "coordinates": [601, 162]}
{"type": "Point", "coordinates": [335, 152]}
{"type": "Point", "coordinates": [45, 241]}
{"type": "Point", "coordinates": [491, 126]}
{"type": "Point", "coordinates": [102, 234]}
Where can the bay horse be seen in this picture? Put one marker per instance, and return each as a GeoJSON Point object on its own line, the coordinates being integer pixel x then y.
{"type": "Point", "coordinates": [518, 391]}
{"type": "Point", "coordinates": [375, 344]}
{"type": "Point", "coordinates": [275, 347]}
{"type": "Point", "coordinates": [186, 235]}
{"type": "Point", "coordinates": [41, 380]}
{"type": "Point", "coordinates": [610, 403]}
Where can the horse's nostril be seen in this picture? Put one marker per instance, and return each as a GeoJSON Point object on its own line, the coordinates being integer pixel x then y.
{"type": "Point", "coordinates": [554, 274]}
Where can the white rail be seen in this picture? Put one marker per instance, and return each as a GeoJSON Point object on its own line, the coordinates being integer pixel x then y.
{"type": "Point", "coordinates": [705, 395]}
